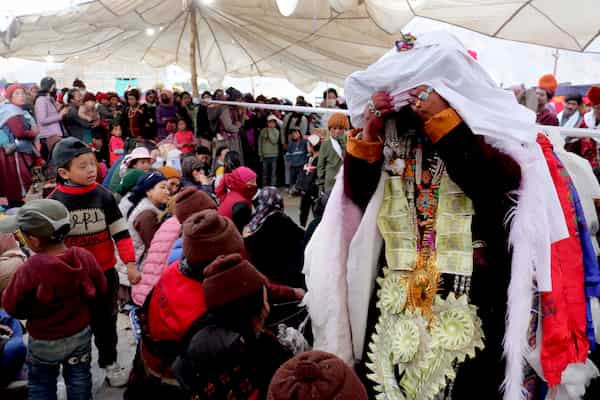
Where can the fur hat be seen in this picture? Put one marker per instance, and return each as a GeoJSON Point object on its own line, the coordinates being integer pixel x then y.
{"type": "Point", "coordinates": [593, 95]}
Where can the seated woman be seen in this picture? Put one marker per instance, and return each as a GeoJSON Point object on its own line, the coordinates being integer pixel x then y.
{"type": "Point", "coordinates": [176, 302]}
{"type": "Point", "coordinates": [236, 187]}
{"type": "Point", "coordinates": [274, 242]}
{"type": "Point", "coordinates": [195, 175]}
{"type": "Point", "coordinates": [149, 194]}
{"type": "Point", "coordinates": [231, 355]}
{"type": "Point", "coordinates": [187, 202]}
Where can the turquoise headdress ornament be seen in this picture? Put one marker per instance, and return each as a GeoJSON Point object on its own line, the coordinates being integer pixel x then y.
{"type": "Point", "coordinates": [407, 42]}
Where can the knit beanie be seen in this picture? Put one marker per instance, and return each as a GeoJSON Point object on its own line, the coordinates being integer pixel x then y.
{"type": "Point", "coordinates": [89, 96]}
{"type": "Point", "coordinates": [129, 181]}
{"type": "Point", "coordinates": [338, 120]}
{"type": "Point", "coordinates": [191, 200]}
{"type": "Point", "coordinates": [593, 95]}
{"type": "Point", "coordinates": [316, 375]}
{"type": "Point", "coordinates": [207, 235]}
{"type": "Point", "coordinates": [170, 172]}
{"type": "Point", "coordinates": [229, 279]}
{"type": "Point", "coordinates": [146, 182]}
{"type": "Point", "coordinates": [10, 90]}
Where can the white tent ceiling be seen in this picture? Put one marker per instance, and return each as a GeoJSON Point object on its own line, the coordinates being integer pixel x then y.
{"type": "Point", "coordinates": [320, 41]}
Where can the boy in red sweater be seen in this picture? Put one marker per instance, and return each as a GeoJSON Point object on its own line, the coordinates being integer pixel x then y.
{"type": "Point", "coordinates": [96, 225]}
{"type": "Point", "coordinates": [52, 291]}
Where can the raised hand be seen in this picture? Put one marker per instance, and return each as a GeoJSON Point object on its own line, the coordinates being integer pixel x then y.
{"type": "Point", "coordinates": [380, 107]}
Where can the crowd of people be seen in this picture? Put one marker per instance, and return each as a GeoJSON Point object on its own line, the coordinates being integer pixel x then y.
{"type": "Point", "coordinates": [171, 211]}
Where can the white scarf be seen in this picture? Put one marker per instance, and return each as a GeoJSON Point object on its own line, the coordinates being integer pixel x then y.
{"type": "Point", "coordinates": [590, 120]}
{"type": "Point", "coordinates": [572, 121]}
{"type": "Point", "coordinates": [337, 148]}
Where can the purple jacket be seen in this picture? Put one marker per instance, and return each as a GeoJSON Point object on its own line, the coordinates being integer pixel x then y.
{"type": "Point", "coordinates": [163, 113]}
{"type": "Point", "coordinates": [47, 117]}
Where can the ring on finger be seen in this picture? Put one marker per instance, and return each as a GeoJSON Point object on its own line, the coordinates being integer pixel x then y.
{"type": "Point", "coordinates": [373, 110]}
{"type": "Point", "coordinates": [424, 95]}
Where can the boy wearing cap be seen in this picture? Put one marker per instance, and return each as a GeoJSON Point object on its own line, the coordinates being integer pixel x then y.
{"type": "Point", "coordinates": [268, 151]}
{"type": "Point", "coordinates": [52, 291]}
{"type": "Point", "coordinates": [96, 225]}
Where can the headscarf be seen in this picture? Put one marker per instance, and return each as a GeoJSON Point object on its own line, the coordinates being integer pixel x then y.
{"type": "Point", "coordinates": [267, 201]}
{"type": "Point", "coordinates": [237, 181]}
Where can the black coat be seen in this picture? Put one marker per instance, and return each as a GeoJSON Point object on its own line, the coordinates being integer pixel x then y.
{"type": "Point", "coordinates": [277, 250]}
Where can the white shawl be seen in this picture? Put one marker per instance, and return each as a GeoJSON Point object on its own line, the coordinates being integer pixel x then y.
{"type": "Point", "coordinates": [572, 121]}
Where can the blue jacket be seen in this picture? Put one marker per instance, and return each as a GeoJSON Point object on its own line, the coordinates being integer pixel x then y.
{"type": "Point", "coordinates": [296, 153]}
{"type": "Point", "coordinates": [176, 252]}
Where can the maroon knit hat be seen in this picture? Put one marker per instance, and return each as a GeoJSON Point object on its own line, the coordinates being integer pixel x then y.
{"type": "Point", "coordinates": [10, 90]}
{"type": "Point", "coordinates": [191, 200]}
{"type": "Point", "coordinates": [229, 279]}
{"type": "Point", "coordinates": [316, 375]}
{"type": "Point", "coordinates": [89, 96]}
{"type": "Point", "coordinates": [207, 235]}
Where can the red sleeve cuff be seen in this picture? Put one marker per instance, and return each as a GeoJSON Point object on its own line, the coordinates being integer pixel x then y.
{"type": "Point", "coordinates": [126, 251]}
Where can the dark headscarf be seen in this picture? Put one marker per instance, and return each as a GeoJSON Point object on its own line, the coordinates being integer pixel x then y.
{"type": "Point", "coordinates": [267, 201]}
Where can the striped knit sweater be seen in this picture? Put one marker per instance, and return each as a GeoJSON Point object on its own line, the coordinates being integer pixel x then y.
{"type": "Point", "coordinates": [96, 223]}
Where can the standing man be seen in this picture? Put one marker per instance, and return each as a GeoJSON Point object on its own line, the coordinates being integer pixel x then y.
{"type": "Point", "coordinates": [546, 114]}
{"type": "Point", "coordinates": [570, 117]}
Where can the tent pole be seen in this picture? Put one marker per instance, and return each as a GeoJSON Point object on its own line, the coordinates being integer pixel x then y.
{"type": "Point", "coordinates": [194, 68]}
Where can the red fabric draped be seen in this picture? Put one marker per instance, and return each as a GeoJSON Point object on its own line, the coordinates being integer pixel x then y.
{"type": "Point", "coordinates": [563, 310]}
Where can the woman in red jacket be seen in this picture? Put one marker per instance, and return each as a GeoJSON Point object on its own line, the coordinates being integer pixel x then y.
{"type": "Point", "coordinates": [236, 187]}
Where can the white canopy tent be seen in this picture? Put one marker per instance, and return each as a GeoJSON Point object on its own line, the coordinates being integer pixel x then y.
{"type": "Point", "coordinates": [320, 40]}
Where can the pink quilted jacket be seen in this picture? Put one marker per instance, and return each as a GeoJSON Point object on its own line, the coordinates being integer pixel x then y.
{"type": "Point", "coordinates": [156, 259]}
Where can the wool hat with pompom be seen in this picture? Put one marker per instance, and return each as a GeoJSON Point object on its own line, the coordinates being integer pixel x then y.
{"type": "Point", "coordinates": [207, 235]}
{"type": "Point", "coordinates": [190, 201]}
{"type": "Point", "coordinates": [229, 279]}
{"type": "Point", "coordinates": [316, 375]}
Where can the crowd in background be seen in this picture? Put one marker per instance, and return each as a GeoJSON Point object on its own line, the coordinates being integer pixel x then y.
{"type": "Point", "coordinates": [172, 212]}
